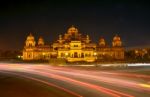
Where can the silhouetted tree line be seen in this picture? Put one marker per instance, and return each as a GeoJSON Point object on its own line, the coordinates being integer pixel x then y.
{"type": "Point", "coordinates": [131, 55]}
{"type": "Point", "coordinates": [9, 54]}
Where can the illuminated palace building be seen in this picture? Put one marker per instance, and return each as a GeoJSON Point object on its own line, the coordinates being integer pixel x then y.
{"type": "Point", "coordinates": [73, 46]}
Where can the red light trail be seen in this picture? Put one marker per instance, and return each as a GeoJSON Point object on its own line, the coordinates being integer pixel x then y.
{"type": "Point", "coordinates": [70, 76]}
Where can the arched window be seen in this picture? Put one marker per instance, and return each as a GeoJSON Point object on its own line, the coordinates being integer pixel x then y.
{"type": "Point", "coordinates": [29, 56]}
{"type": "Point", "coordinates": [75, 55]}
{"type": "Point", "coordinates": [30, 44]}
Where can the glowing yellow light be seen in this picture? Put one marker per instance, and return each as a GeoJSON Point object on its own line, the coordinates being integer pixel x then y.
{"type": "Point", "coordinates": [136, 51]}
{"type": "Point", "coordinates": [43, 54]}
{"type": "Point", "coordinates": [95, 54]}
{"type": "Point", "coordinates": [66, 54]}
{"type": "Point", "coordinates": [19, 56]}
{"type": "Point", "coordinates": [145, 85]}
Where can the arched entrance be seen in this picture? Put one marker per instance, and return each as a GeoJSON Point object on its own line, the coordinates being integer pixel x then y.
{"type": "Point", "coordinates": [75, 55]}
{"type": "Point", "coordinates": [82, 55]}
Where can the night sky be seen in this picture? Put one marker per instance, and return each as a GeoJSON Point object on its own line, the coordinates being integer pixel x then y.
{"type": "Point", "coordinates": [47, 18]}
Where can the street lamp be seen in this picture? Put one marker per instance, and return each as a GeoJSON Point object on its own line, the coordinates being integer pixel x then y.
{"type": "Point", "coordinates": [66, 54]}
{"type": "Point", "coordinates": [95, 54]}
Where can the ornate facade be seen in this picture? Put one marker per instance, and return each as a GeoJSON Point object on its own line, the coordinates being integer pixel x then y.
{"type": "Point", "coordinates": [73, 46]}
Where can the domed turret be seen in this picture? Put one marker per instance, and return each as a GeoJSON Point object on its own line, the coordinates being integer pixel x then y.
{"type": "Point", "coordinates": [116, 41]}
{"type": "Point", "coordinates": [30, 42]}
{"type": "Point", "coordinates": [72, 30]}
{"type": "Point", "coordinates": [41, 41]}
{"type": "Point", "coordinates": [102, 42]}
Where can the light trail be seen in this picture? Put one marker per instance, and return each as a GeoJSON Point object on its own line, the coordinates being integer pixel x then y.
{"type": "Point", "coordinates": [139, 64]}
{"type": "Point", "coordinates": [109, 80]}
{"type": "Point", "coordinates": [95, 72]}
{"type": "Point", "coordinates": [44, 82]}
{"type": "Point", "coordinates": [99, 88]}
{"type": "Point", "coordinates": [145, 85]}
{"type": "Point", "coordinates": [64, 74]}
{"type": "Point", "coordinates": [110, 92]}
{"type": "Point", "coordinates": [129, 75]}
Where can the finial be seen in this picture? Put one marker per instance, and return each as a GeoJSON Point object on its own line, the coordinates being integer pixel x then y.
{"type": "Point", "coordinates": [87, 36]}
{"type": "Point", "coordinates": [40, 37]}
{"type": "Point", "coordinates": [72, 26]}
{"type": "Point", "coordinates": [60, 36]}
{"type": "Point", "coordinates": [101, 37]}
{"type": "Point", "coordinates": [117, 34]}
{"type": "Point", "coordinates": [30, 34]}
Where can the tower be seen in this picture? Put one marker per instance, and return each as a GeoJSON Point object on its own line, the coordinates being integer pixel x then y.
{"type": "Point", "coordinates": [30, 41]}
{"type": "Point", "coordinates": [28, 52]}
{"type": "Point", "coordinates": [116, 41]}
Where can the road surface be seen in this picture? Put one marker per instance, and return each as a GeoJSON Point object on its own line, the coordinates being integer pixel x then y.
{"type": "Point", "coordinates": [69, 82]}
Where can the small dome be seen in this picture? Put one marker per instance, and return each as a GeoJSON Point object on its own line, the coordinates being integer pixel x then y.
{"type": "Point", "coordinates": [41, 41]}
{"type": "Point", "coordinates": [40, 38]}
{"type": "Point", "coordinates": [101, 39]}
{"type": "Point", "coordinates": [72, 30]}
{"type": "Point", "coordinates": [116, 41]}
{"type": "Point", "coordinates": [116, 38]}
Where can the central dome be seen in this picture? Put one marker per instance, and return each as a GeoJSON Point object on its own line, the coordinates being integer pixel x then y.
{"type": "Point", "coordinates": [72, 30]}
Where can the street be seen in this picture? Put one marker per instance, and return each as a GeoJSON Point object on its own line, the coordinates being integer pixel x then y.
{"type": "Point", "coordinates": [71, 82]}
